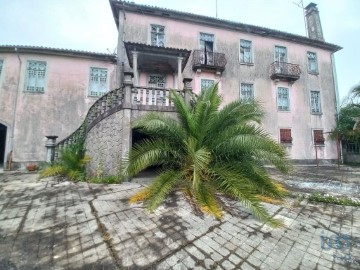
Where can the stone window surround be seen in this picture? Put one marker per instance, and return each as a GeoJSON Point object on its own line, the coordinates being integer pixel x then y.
{"type": "Point", "coordinates": [208, 79]}
{"type": "Point", "coordinates": [316, 71]}
{"type": "Point", "coordinates": [251, 62]}
{"type": "Point", "coordinates": [286, 55]}
{"type": "Point", "coordinates": [288, 99]}
{"type": "Point", "coordinates": [312, 111]}
{"type": "Point", "coordinates": [151, 33]}
{"type": "Point", "coordinates": [89, 81]}
{"type": "Point", "coordinates": [285, 135]}
{"type": "Point", "coordinates": [252, 89]}
{"type": "Point", "coordinates": [313, 131]}
{"type": "Point", "coordinates": [26, 79]}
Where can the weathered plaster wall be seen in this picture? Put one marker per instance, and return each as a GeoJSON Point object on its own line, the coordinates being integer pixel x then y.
{"type": "Point", "coordinates": [104, 145]}
{"type": "Point", "coordinates": [58, 111]}
{"type": "Point", "coordinates": [184, 35]}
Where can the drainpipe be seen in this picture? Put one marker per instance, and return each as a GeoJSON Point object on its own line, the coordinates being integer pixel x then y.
{"type": "Point", "coordinates": [15, 105]}
{"type": "Point", "coordinates": [337, 99]}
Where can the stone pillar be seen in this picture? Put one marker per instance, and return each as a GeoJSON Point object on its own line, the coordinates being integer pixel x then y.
{"type": "Point", "coordinates": [135, 67]}
{"type": "Point", "coordinates": [126, 121]}
{"type": "Point", "coordinates": [187, 89]}
{"type": "Point", "coordinates": [179, 75]}
{"type": "Point", "coordinates": [50, 148]}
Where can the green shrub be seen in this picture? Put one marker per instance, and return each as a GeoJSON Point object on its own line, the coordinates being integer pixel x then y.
{"type": "Point", "coordinates": [317, 197]}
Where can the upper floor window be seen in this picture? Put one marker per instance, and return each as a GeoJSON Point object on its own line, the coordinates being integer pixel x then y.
{"type": "Point", "coordinates": [205, 84]}
{"type": "Point", "coordinates": [157, 81]}
{"type": "Point", "coordinates": [283, 99]}
{"type": "Point", "coordinates": [207, 42]}
{"type": "Point", "coordinates": [246, 91]}
{"type": "Point", "coordinates": [35, 76]}
{"type": "Point", "coordinates": [245, 51]}
{"type": "Point", "coordinates": [1, 66]}
{"type": "Point", "coordinates": [280, 54]}
{"type": "Point", "coordinates": [312, 62]}
{"type": "Point", "coordinates": [157, 35]}
{"type": "Point", "coordinates": [285, 135]}
{"type": "Point", "coordinates": [315, 102]}
{"type": "Point", "coordinates": [318, 136]}
{"type": "Point", "coordinates": [98, 81]}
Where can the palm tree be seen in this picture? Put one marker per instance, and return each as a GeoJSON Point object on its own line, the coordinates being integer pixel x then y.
{"type": "Point", "coordinates": [207, 153]}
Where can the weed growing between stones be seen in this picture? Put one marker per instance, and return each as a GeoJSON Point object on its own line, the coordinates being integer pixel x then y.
{"type": "Point", "coordinates": [317, 197]}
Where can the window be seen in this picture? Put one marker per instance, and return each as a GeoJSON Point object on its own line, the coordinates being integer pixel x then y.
{"type": "Point", "coordinates": [283, 99]}
{"type": "Point", "coordinates": [318, 136]}
{"type": "Point", "coordinates": [157, 35]}
{"type": "Point", "coordinates": [245, 51]}
{"type": "Point", "coordinates": [205, 84]}
{"type": "Point", "coordinates": [207, 48]}
{"type": "Point", "coordinates": [157, 81]}
{"type": "Point", "coordinates": [285, 135]}
{"type": "Point", "coordinates": [98, 82]}
{"type": "Point", "coordinates": [280, 54]}
{"type": "Point", "coordinates": [353, 148]}
{"type": "Point", "coordinates": [312, 62]}
{"type": "Point", "coordinates": [247, 92]}
{"type": "Point", "coordinates": [315, 102]}
{"type": "Point", "coordinates": [35, 76]}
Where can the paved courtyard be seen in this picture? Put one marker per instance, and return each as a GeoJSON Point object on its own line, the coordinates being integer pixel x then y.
{"type": "Point", "coordinates": [61, 225]}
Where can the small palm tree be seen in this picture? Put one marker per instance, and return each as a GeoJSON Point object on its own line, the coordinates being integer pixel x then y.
{"type": "Point", "coordinates": [206, 153]}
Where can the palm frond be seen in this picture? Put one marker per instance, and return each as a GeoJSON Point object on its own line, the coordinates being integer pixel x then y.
{"type": "Point", "coordinates": [207, 201]}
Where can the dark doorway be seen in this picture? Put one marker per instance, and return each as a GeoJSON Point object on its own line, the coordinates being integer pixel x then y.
{"type": "Point", "coordinates": [3, 130]}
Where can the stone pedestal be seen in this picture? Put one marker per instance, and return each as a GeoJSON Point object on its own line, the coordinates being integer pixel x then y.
{"type": "Point", "coordinates": [50, 148]}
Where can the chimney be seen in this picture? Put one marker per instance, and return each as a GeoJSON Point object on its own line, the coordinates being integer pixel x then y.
{"type": "Point", "coordinates": [313, 22]}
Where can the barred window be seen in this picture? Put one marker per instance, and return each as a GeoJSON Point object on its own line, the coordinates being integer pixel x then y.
{"type": "Point", "coordinates": [157, 35]}
{"type": "Point", "coordinates": [285, 135]}
{"type": "Point", "coordinates": [245, 51]}
{"type": "Point", "coordinates": [205, 84]}
{"type": "Point", "coordinates": [312, 62]}
{"type": "Point", "coordinates": [98, 82]}
{"type": "Point", "coordinates": [247, 92]}
{"type": "Point", "coordinates": [319, 137]}
{"type": "Point", "coordinates": [315, 102]}
{"type": "Point", "coordinates": [280, 54]}
{"type": "Point", "coordinates": [283, 100]}
{"type": "Point", "coordinates": [35, 76]}
{"type": "Point", "coordinates": [157, 81]}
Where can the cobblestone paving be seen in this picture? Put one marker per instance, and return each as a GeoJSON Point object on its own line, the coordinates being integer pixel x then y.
{"type": "Point", "coordinates": [51, 225]}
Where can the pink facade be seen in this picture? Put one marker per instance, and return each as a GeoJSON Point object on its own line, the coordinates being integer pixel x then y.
{"type": "Point", "coordinates": [186, 31]}
{"type": "Point", "coordinates": [30, 116]}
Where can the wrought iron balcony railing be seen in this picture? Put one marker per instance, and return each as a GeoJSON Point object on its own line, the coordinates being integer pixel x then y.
{"type": "Point", "coordinates": [284, 71]}
{"type": "Point", "coordinates": [208, 60]}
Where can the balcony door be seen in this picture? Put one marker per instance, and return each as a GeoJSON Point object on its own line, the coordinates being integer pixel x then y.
{"type": "Point", "coordinates": [207, 48]}
{"type": "Point", "coordinates": [281, 59]}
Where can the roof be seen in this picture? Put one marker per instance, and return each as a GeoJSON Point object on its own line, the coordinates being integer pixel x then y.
{"type": "Point", "coordinates": [118, 5]}
{"type": "Point", "coordinates": [150, 49]}
{"type": "Point", "coordinates": [57, 51]}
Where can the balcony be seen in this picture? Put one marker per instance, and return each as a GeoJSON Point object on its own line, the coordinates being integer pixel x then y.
{"type": "Point", "coordinates": [284, 71]}
{"type": "Point", "coordinates": [208, 60]}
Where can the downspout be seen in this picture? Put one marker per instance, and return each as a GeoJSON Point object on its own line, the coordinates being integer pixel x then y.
{"type": "Point", "coordinates": [337, 99]}
{"type": "Point", "coordinates": [14, 107]}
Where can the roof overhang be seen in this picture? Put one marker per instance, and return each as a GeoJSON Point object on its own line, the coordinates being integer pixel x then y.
{"type": "Point", "coordinates": [56, 51]}
{"type": "Point", "coordinates": [117, 6]}
{"type": "Point", "coordinates": [156, 59]}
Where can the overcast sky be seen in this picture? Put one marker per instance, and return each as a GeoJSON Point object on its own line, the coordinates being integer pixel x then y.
{"type": "Point", "coordinates": [89, 25]}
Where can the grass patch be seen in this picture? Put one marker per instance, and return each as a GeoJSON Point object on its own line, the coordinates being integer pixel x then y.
{"type": "Point", "coordinates": [108, 179]}
{"type": "Point", "coordinates": [317, 197]}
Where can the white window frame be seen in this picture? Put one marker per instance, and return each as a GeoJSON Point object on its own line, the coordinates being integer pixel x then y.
{"type": "Point", "coordinates": [251, 61]}
{"type": "Point", "coordinates": [286, 50]}
{"type": "Point", "coordinates": [159, 75]}
{"type": "Point", "coordinates": [252, 92]}
{"type": "Point", "coordinates": [157, 33]}
{"type": "Point", "coordinates": [319, 102]}
{"type": "Point", "coordinates": [316, 71]}
{"type": "Point", "coordinates": [291, 133]}
{"type": "Point", "coordinates": [207, 79]}
{"type": "Point", "coordinates": [277, 99]}
{"type": "Point", "coordinates": [37, 82]}
{"type": "Point", "coordinates": [98, 93]}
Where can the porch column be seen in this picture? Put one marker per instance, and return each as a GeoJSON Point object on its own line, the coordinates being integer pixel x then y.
{"type": "Point", "coordinates": [180, 59]}
{"type": "Point", "coordinates": [135, 67]}
{"type": "Point", "coordinates": [50, 148]}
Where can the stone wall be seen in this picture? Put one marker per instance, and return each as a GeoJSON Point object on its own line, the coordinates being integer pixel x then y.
{"type": "Point", "coordinates": [104, 145]}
